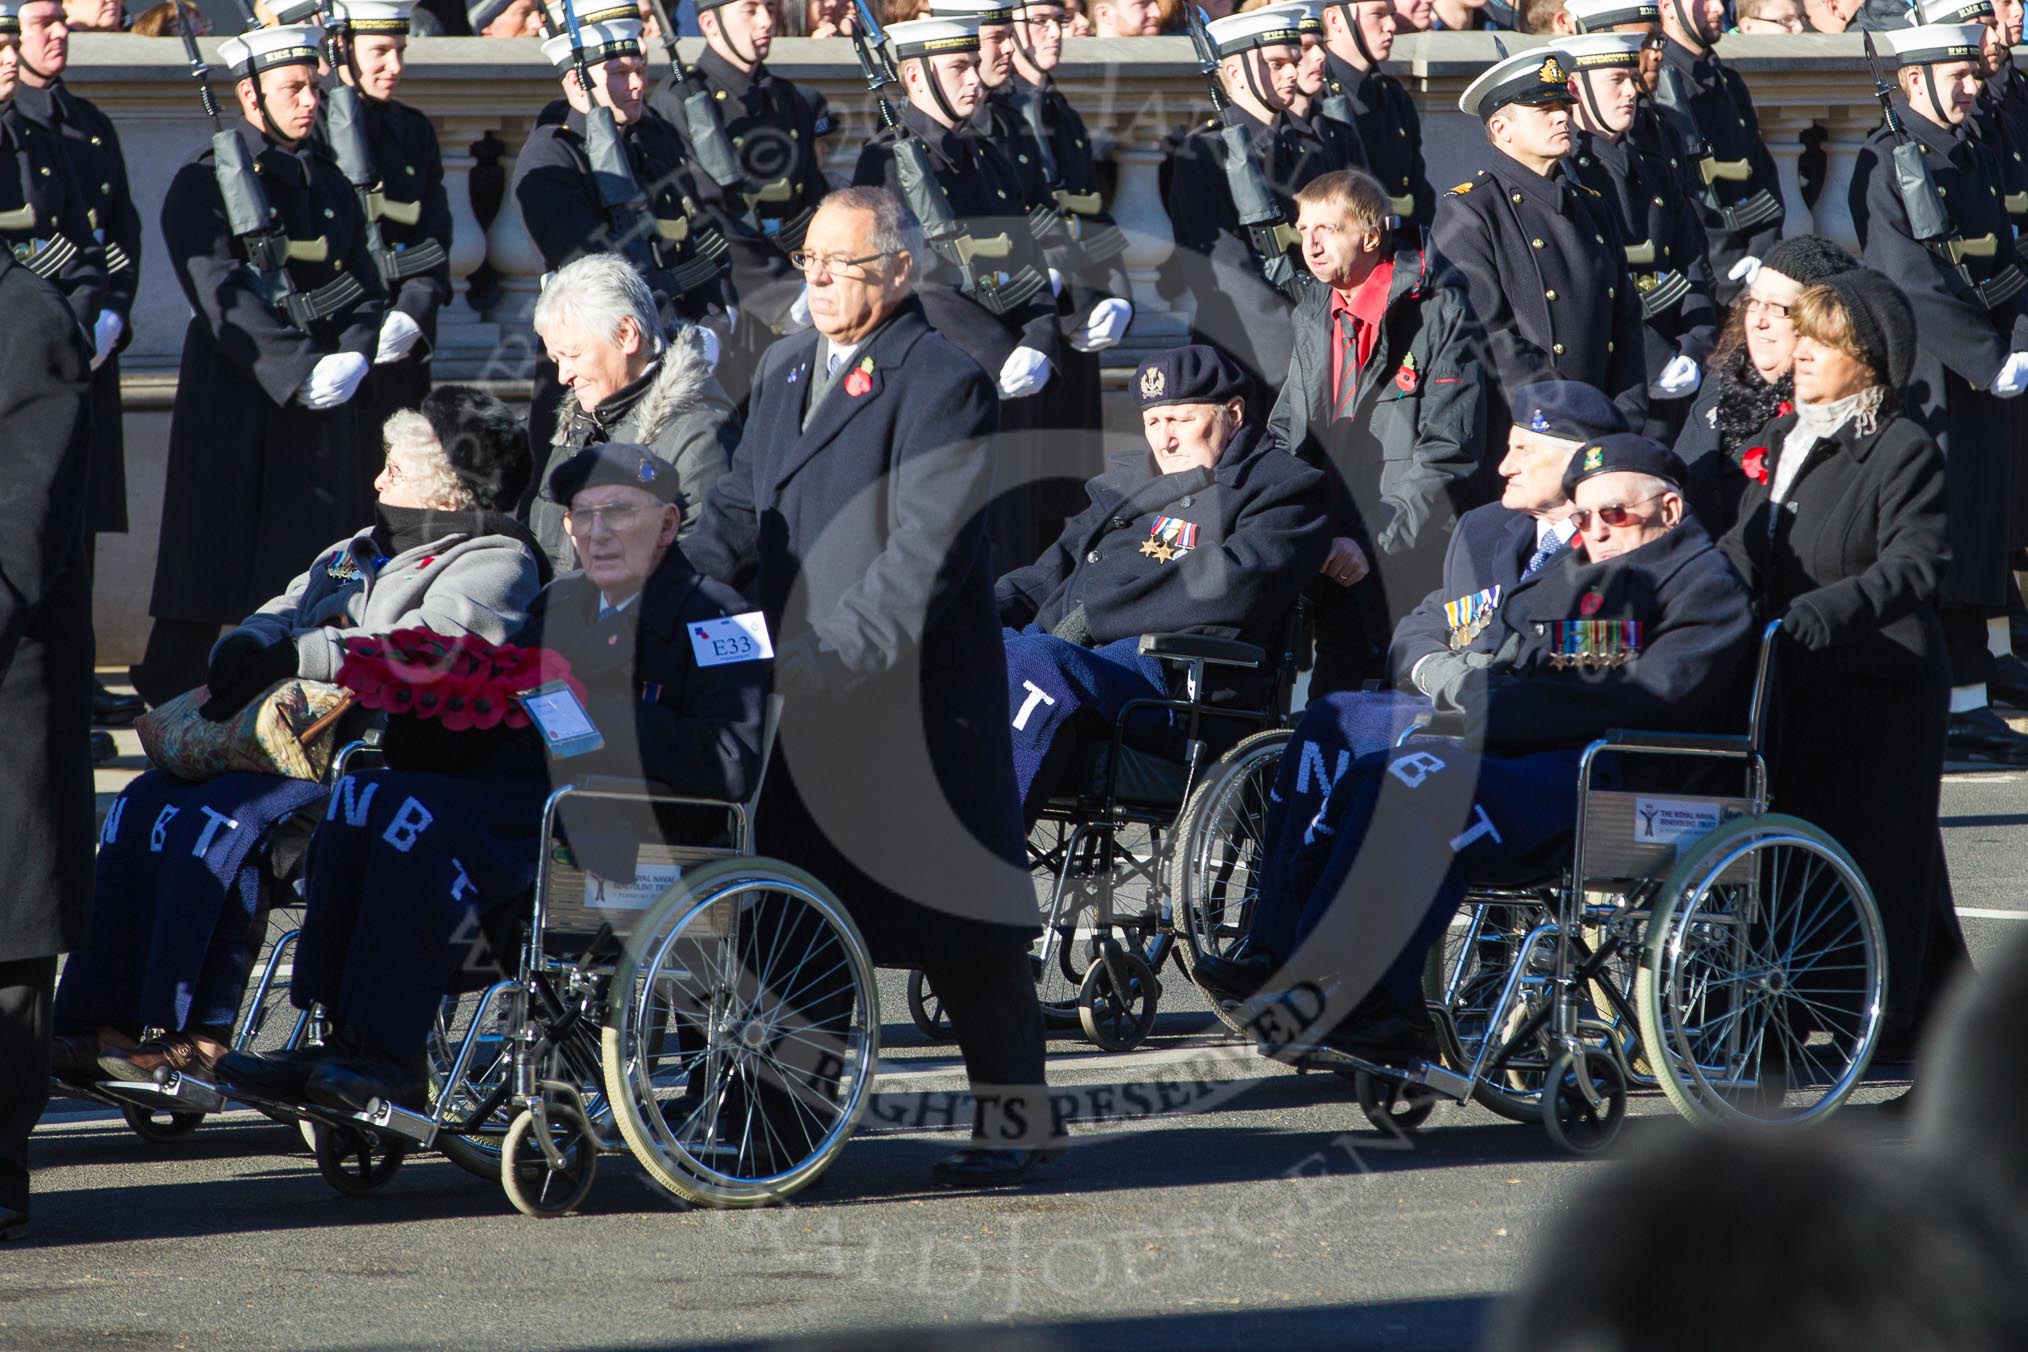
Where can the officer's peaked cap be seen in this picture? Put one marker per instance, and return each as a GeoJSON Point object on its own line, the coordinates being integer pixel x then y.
{"type": "Point", "coordinates": [1568, 410]}
{"type": "Point", "coordinates": [1933, 43]}
{"type": "Point", "coordinates": [262, 49]}
{"type": "Point", "coordinates": [614, 462]}
{"type": "Point", "coordinates": [1622, 453]}
{"type": "Point", "coordinates": [1196, 374]}
{"type": "Point", "coordinates": [1538, 75]}
{"type": "Point", "coordinates": [1592, 16]}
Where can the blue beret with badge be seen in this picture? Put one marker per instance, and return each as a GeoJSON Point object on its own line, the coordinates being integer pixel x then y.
{"type": "Point", "coordinates": [614, 462]}
{"type": "Point", "coordinates": [1623, 453]}
{"type": "Point", "coordinates": [1188, 375]}
{"type": "Point", "coordinates": [1568, 410]}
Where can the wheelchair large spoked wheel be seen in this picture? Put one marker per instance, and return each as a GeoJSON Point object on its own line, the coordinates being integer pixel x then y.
{"type": "Point", "coordinates": [1466, 976]}
{"type": "Point", "coordinates": [1219, 850]}
{"type": "Point", "coordinates": [1762, 983]}
{"type": "Point", "coordinates": [743, 1034]}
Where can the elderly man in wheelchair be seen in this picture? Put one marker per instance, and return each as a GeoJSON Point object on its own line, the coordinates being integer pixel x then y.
{"type": "Point", "coordinates": [415, 873]}
{"type": "Point", "coordinates": [1205, 539]}
{"type": "Point", "coordinates": [1648, 628]}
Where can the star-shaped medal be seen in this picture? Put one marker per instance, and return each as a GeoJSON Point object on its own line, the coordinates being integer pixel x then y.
{"type": "Point", "coordinates": [1155, 549]}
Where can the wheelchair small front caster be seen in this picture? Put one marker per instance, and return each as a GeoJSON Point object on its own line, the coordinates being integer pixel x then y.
{"type": "Point", "coordinates": [927, 1009]}
{"type": "Point", "coordinates": [1394, 1107]}
{"type": "Point", "coordinates": [1117, 1012]}
{"type": "Point", "coordinates": [1584, 1100]}
{"type": "Point", "coordinates": [541, 1184]}
{"type": "Point", "coordinates": [357, 1162]}
{"type": "Point", "coordinates": [159, 1126]}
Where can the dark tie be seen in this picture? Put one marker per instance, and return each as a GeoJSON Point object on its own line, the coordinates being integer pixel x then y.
{"type": "Point", "coordinates": [1348, 372]}
{"type": "Point", "coordinates": [1551, 546]}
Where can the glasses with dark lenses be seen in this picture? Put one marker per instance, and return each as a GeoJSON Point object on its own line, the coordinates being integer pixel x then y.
{"type": "Point", "coordinates": [1616, 515]}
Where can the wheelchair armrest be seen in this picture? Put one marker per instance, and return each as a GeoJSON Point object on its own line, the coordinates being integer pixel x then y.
{"type": "Point", "coordinates": [1223, 652]}
{"type": "Point", "coordinates": [1690, 743]}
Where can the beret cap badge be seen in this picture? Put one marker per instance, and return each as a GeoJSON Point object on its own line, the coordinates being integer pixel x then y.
{"type": "Point", "coordinates": [1152, 382]}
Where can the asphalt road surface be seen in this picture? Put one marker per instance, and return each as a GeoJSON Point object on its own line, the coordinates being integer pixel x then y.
{"type": "Point", "coordinates": [1228, 1201]}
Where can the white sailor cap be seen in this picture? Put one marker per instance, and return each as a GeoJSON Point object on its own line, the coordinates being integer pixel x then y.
{"type": "Point", "coordinates": [1933, 13]}
{"type": "Point", "coordinates": [1594, 16]}
{"type": "Point", "coordinates": [593, 11]}
{"type": "Point", "coordinates": [372, 17]}
{"type": "Point", "coordinates": [296, 13]}
{"type": "Point", "coordinates": [1934, 43]}
{"type": "Point", "coordinates": [1538, 75]}
{"type": "Point", "coordinates": [979, 11]}
{"type": "Point", "coordinates": [10, 16]}
{"type": "Point", "coordinates": [1236, 33]}
{"type": "Point", "coordinates": [260, 49]}
{"type": "Point", "coordinates": [1305, 15]}
{"type": "Point", "coordinates": [933, 37]}
{"type": "Point", "coordinates": [602, 42]}
{"type": "Point", "coordinates": [1602, 51]}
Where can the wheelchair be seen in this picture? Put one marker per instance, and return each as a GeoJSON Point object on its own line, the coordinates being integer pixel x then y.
{"type": "Point", "coordinates": [1734, 962]}
{"type": "Point", "coordinates": [1132, 822]}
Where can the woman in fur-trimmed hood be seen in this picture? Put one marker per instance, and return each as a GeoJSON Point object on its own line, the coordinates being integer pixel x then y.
{"type": "Point", "coordinates": [626, 382]}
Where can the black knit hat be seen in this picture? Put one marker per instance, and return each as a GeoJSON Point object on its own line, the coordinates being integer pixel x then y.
{"type": "Point", "coordinates": [483, 441]}
{"type": "Point", "coordinates": [1883, 325]}
{"type": "Point", "coordinates": [1808, 259]}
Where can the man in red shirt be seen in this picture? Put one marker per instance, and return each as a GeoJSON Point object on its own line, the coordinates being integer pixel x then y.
{"type": "Point", "coordinates": [1385, 389]}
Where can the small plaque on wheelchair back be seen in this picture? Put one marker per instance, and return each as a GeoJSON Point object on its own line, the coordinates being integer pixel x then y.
{"type": "Point", "coordinates": [651, 880]}
{"type": "Point", "coordinates": [1630, 835]}
{"type": "Point", "coordinates": [567, 730]}
{"type": "Point", "coordinates": [735, 638]}
{"type": "Point", "coordinates": [1674, 821]}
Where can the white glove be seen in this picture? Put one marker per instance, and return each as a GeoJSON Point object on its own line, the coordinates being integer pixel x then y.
{"type": "Point", "coordinates": [1678, 378]}
{"type": "Point", "coordinates": [398, 336]}
{"type": "Point", "coordinates": [1024, 372]}
{"type": "Point", "coordinates": [709, 338]}
{"type": "Point", "coordinates": [799, 313]}
{"type": "Point", "coordinates": [2013, 377]}
{"type": "Point", "coordinates": [1106, 326]}
{"type": "Point", "coordinates": [731, 320]}
{"type": "Point", "coordinates": [106, 331]}
{"type": "Point", "coordinates": [333, 380]}
{"type": "Point", "coordinates": [1055, 282]}
{"type": "Point", "coordinates": [1744, 271]}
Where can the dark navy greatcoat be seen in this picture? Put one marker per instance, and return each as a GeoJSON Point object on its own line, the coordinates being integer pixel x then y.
{"type": "Point", "coordinates": [1545, 269]}
{"type": "Point", "coordinates": [1960, 343]}
{"type": "Point", "coordinates": [776, 128]}
{"type": "Point", "coordinates": [43, 215]}
{"type": "Point", "coordinates": [1489, 548]}
{"type": "Point", "coordinates": [1724, 113]}
{"type": "Point", "coordinates": [1214, 261]}
{"type": "Point", "coordinates": [93, 146]}
{"type": "Point", "coordinates": [860, 540]}
{"type": "Point", "coordinates": [252, 473]}
{"type": "Point", "coordinates": [410, 169]}
{"type": "Point", "coordinates": [1223, 551]}
{"type": "Point", "coordinates": [985, 195]}
{"type": "Point", "coordinates": [1388, 134]}
{"type": "Point", "coordinates": [1665, 247]}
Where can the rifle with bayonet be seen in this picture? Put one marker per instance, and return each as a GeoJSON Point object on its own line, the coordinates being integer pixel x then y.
{"type": "Point", "coordinates": [1672, 105]}
{"type": "Point", "coordinates": [345, 133]}
{"type": "Point", "coordinates": [996, 290]}
{"type": "Point", "coordinates": [1268, 231]}
{"type": "Point", "coordinates": [264, 246]}
{"type": "Point", "coordinates": [1097, 241]}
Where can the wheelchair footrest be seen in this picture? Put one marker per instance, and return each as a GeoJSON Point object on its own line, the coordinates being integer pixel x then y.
{"type": "Point", "coordinates": [393, 1117]}
{"type": "Point", "coordinates": [175, 1091]}
{"type": "Point", "coordinates": [1425, 1074]}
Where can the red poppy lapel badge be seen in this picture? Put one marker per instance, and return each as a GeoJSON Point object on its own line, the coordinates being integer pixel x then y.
{"type": "Point", "coordinates": [860, 379]}
{"type": "Point", "coordinates": [1754, 462]}
{"type": "Point", "coordinates": [1406, 378]}
{"type": "Point", "coordinates": [1784, 408]}
{"type": "Point", "coordinates": [1590, 604]}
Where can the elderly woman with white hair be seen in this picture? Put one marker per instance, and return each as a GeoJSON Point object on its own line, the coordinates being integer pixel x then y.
{"type": "Point", "coordinates": [179, 878]}
{"type": "Point", "coordinates": [626, 382]}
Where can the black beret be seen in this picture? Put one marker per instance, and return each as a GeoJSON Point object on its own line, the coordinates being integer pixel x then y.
{"type": "Point", "coordinates": [1622, 453]}
{"type": "Point", "coordinates": [483, 441]}
{"type": "Point", "coordinates": [1568, 410]}
{"type": "Point", "coordinates": [614, 462]}
{"type": "Point", "coordinates": [1188, 375]}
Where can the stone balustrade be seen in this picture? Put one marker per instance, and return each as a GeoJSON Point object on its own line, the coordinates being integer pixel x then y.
{"type": "Point", "coordinates": [1813, 92]}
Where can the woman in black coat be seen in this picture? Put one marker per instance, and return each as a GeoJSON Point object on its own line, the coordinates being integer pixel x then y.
{"type": "Point", "coordinates": [1748, 380]}
{"type": "Point", "coordinates": [1841, 534]}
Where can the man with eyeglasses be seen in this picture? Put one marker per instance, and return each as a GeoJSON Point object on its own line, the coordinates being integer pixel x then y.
{"type": "Point", "coordinates": [852, 515]}
{"type": "Point", "coordinates": [1649, 630]}
{"type": "Point", "coordinates": [1663, 242]}
{"type": "Point", "coordinates": [1970, 296]}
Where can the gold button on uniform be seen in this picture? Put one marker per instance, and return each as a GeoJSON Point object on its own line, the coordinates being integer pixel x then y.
{"type": "Point", "coordinates": [1557, 348]}
{"type": "Point", "coordinates": [1536, 242]}
{"type": "Point", "coordinates": [1549, 295]}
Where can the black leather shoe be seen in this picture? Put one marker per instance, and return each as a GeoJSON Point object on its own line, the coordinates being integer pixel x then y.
{"type": "Point", "coordinates": [1981, 734]}
{"type": "Point", "coordinates": [104, 748]}
{"type": "Point", "coordinates": [281, 1076]}
{"type": "Point", "coordinates": [13, 1224]}
{"type": "Point", "coordinates": [1238, 974]}
{"type": "Point", "coordinates": [983, 1167]}
{"type": "Point", "coordinates": [351, 1083]}
{"type": "Point", "coordinates": [111, 710]}
{"type": "Point", "coordinates": [2007, 682]}
{"type": "Point", "coordinates": [1392, 1036]}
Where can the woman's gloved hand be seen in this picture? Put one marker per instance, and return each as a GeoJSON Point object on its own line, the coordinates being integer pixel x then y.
{"type": "Point", "coordinates": [241, 669]}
